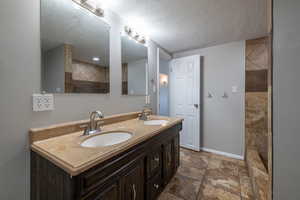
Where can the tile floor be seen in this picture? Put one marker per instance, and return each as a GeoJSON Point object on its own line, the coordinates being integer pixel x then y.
{"type": "Point", "coordinates": [206, 176]}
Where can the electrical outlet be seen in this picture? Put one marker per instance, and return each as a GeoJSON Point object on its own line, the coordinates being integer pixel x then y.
{"type": "Point", "coordinates": [42, 102]}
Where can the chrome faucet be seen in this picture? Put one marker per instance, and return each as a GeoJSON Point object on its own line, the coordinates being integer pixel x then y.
{"type": "Point", "coordinates": [94, 127]}
{"type": "Point", "coordinates": [144, 115]}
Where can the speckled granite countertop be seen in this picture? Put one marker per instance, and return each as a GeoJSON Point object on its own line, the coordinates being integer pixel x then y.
{"type": "Point", "coordinates": [65, 151]}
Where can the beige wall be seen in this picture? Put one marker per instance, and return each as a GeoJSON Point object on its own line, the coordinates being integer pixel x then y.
{"type": "Point", "coordinates": [20, 76]}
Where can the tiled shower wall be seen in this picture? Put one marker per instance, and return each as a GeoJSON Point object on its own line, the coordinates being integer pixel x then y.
{"type": "Point", "coordinates": [258, 116]}
{"type": "Point", "coordinates": [257, 64]}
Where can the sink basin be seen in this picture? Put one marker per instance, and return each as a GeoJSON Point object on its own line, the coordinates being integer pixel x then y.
{"type": "Point", "coordinates": [155, 122]}
{"type": "Point", "coordinates": [106, 139]}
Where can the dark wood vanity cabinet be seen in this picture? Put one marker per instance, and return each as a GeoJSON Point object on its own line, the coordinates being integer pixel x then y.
{"type": "Point", "coordinates": [107, 193]}
{"type": "Point", "coordinates": [168, 166]}
{"type": "Point", "coordinates": [140, 173]}
{"type": "Point", "coordinates": [133, 182]}
{"type": "Point", "coordinates": [176, 152]}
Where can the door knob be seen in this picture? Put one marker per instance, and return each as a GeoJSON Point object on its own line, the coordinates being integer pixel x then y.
{"type": "Point", "coordinates": [196, 105]}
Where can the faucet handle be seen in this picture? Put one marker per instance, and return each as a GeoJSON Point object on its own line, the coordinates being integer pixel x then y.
{"type": "Point", "coordinates": [86, 128]}
{"type": "Point", "coordinates": [148, 111]}
{"type": "Point", "coordinates": [98, 123]}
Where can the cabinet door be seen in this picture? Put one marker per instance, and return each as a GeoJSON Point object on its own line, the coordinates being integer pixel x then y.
{"type": "Point", "coordinates": [154, 162]}
{"type": "Point", "coordinates": [176, 152]}
{"type": "Point", "coordinates": [133, 182]}
{"type": "Point", "coordinates": [110, 192]}
{"type": "Point", "coordinates": [168, 166]}
{"type": "Point", "coordinates": [154, 187]}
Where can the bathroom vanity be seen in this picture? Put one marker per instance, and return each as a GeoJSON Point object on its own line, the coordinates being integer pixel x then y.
{"type": "Point", "coordinates": [136, 169]}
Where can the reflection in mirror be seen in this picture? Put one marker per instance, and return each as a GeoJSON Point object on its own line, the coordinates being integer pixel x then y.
{"type": "Point", "coordinates": [134, 67]}
{"type": "Point", "coordinates": [75, 49]}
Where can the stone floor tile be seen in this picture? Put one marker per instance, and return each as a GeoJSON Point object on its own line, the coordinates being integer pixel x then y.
{"type": "Point", "coordinates": [193, 160]}
{"type": "Point", "coordinates": [209, 192]}
{"type": "Point", "coordinates": [220, 178]}
{"type": "Point", "coordinates": [191, 172]}
{"type": "Point", "coordinates": [227, 167]}
{"type": "Point", "coordinates": [207, 176]}
{"type": "Point", "coordinates": [246, 188]}
{"type": "Point", "coordinates": [168, 196]}
{"type": "Point", "coordinates": [183, 187]}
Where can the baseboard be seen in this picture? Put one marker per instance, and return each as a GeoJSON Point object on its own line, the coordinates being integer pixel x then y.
{"type": "Point", "coordinates": [190, 147]}
{"type": "Point", "coordinates": [230, 155]}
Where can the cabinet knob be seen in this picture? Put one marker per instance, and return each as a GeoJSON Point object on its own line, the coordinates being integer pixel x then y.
{"type": "Point", "coordinates": [156, 186]}
{"type": "Point", "coordinates": [156, 159]}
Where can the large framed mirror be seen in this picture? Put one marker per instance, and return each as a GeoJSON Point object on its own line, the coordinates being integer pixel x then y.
{"type": "Point", "coordinates": [75, 49]}
{"type": "Point", "coordinates": [134, 67]}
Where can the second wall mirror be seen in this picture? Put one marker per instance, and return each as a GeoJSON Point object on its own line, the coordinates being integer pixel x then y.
{"type": "Point", "coordinates": [134, 67]}
{"type": "Point", "coordinates": [75, 49]}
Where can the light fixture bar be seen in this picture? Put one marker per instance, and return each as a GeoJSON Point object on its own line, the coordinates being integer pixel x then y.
{"type": "Point", "coordinates": [134, 35]}
{"type": "Point", "coordinates": [84, 4]}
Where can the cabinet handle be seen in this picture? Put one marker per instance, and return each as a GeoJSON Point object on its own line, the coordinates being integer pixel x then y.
{"type": "Point", "coordinates": [156, 186]}
{"type": "Point", "coordinates": [134, 192]}
{"type": "Point", "coordinates": [156, 159]}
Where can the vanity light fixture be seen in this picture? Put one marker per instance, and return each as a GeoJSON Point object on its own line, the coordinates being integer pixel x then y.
{"type": "Point", "coordinates": [134, 35]}
{"type": "Point", "coordinates": [86, 4]}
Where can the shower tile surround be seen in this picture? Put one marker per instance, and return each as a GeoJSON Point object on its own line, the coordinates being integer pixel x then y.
{"type": "Point", "coordinates": [257, 96]}
{"type": "Point", "coordinates": [80, 74]}
{"type": "Point", "coordinates": [89, 72]}
{"type": "Point", "coordinates": [258, 134]}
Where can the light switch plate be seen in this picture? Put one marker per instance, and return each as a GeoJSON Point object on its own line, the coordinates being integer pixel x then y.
{"type": "Point", "coordinates": [42, 102]}
{"type": "Point", "coordinates": [148, 99]}
{"type": "Point", "coordinates": [234, 89]}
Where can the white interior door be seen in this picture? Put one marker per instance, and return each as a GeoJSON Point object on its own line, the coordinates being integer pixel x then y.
{"type": "Point", "coordinates": [185, 98]}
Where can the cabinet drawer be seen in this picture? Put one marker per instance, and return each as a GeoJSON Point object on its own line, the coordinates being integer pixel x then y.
{"type": "Point", "coordinates": [110, 192]}
{"type": "Point", "coordinates": [97, 176]}
{"type": "Point", "coordinates": [154, 187]}
{"type": "Point", "coordinates": [154, 162]}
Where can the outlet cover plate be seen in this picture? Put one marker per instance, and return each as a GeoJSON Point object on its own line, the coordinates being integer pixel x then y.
{"type": "Point", "coordinates": [42, 102]}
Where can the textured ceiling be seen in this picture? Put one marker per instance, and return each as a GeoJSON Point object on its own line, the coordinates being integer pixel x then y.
{"type": "Point", "coordinates": [179, 25]}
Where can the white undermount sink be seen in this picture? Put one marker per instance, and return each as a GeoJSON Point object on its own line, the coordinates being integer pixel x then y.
{"type": "Point", "coordinates": [155, 122]}
{"type": "Point", "coordinates": [106, 139]}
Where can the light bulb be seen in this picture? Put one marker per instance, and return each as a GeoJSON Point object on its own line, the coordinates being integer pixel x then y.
{"type": "Point", "coordinates": [96, 59]}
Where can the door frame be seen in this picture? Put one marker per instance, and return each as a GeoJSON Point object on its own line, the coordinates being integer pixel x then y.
{"type": "Point", "coordinates": [158, 56]}
{"type": "Point", "coordinates": [158, 82]}
{"type": "Point", "coordinates": [198, 57]}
